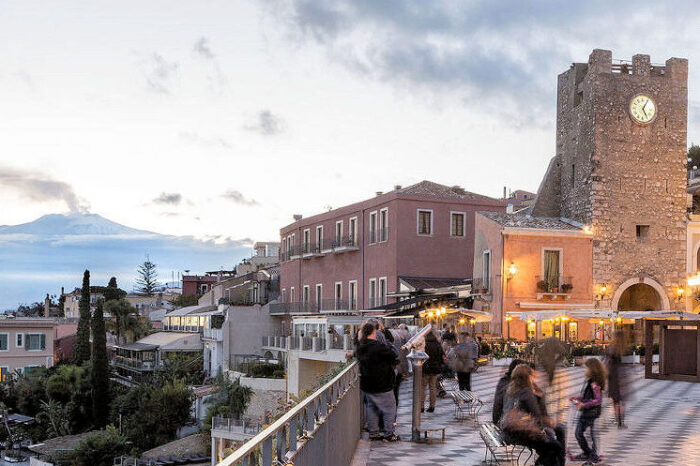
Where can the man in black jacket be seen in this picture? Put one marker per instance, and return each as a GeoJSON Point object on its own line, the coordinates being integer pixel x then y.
{"type": "Point", "coordinates": [377, 363]}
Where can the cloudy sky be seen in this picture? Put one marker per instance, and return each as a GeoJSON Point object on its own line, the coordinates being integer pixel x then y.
{"type": "Point", "coordinates": [225, 118]}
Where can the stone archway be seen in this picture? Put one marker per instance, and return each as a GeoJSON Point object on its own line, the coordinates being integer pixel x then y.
{"type": "Point", "coordinates": [640, 294]}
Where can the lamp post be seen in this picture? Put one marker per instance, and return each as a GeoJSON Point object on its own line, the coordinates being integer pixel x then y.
{"type": "Point", "coordinates": [417, 359]}
{"type": "Point", "coordinates": [508, 319]}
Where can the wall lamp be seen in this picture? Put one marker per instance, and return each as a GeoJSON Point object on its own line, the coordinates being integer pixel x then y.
{"type": "Point", "coordinates": [512, 270]}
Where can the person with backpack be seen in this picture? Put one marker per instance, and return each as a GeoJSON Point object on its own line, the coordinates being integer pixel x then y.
{"type": "Point", "coordinates": [589, 405]}
{"type": "Point", "coordinates": [431, 368]}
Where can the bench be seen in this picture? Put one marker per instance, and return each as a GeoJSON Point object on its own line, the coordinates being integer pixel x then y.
{"type": "Point", "coordinates": [432, 428]}
{"type": "Point", "coordinates": [501, 451]}
{"type": "Point", "coordinates": [467, 404]}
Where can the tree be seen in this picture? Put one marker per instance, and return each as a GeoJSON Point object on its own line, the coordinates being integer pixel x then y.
{"type": "Point", "coordinates": [100, 448]}
{"type": "Point", "coordinates": [100, 369]}
{"type": "Point", "coordinates": [182, 300]}
{"type": "Point", "coordinates": [147, 281]}
{"type": "Point", "coordinates": [112, 291]}
{"type": "Point", "coordinates": [71, 386]}
{"type": "Point", "coordinates": [693, 157]}
{"type": "Point", "coordinates": [151, 415]}
{"type": "Point", "coordinates": [81, 350]}
{"type": "Point", "coordinates": [231, 400]}
{"type": "Point", "coordinates": [124, 319]}
{"type": "Point", "coordinates": [62, 305]}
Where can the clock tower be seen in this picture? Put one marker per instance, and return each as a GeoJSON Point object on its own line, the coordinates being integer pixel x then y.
{"type": "Point", "coordinates": [620, 169]}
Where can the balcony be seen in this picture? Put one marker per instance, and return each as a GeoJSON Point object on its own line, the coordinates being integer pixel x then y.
{"type": "Point", "coordinates": [344, 244]}
{"type": "Point", "coordinates": [127, 363]}
{"type": "Point", "coordinates": [554, 287]}
{"type": "Point", "coordinates": [326, 306]}
{"type": "Point", "coordinates": [215, 334]}
{"type": "Point", "coordinates": [310, 250]}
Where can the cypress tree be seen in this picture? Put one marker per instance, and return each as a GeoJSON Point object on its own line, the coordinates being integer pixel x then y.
{"type": "Point", "coordinates": [100, 369]}
{"type": "Point", "coordinates": [81, 350]}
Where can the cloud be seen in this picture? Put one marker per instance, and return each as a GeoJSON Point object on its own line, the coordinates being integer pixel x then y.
{"type": "Point", "coordinates": [201, 48]}
{"type": "Point", "coordinates": [487, 55]}
{"type": "Point", "coordinates": [168, 199]}
{"type": "Point", "coordinates": [194, 138]}
{"type": "Point", "coordinates": [238, 198]}
{"type": "Point", "coordinates": [160, 74]}
{"type": "Point", "coordinates": [41, 188]}
{"type": "Point", "coordinates": [267, 124]}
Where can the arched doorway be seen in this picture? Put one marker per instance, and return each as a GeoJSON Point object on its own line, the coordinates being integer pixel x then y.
{"type": "Point", "coordinates": [639, 297]}
{"type": "Point", "coordinates": [640, 294]}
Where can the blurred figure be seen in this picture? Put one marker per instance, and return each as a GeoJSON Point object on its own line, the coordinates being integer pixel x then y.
{"type": "Point", "coordinates": [525, 422]}
{"type": "Point", "coordinates": [550, 353]}
{"type": "Point", "coordinates": [448, 333]}
{"type": "Point", "coordinates": [462, 359]}
{"type": "Point", "coordinates": [617, 379]}
{"type": "Point", "coordinates": [501, 388]}
{"type": "Point", "coordinates": [589, 405]}
{"type": "Point", "coordinates": [431, 368]}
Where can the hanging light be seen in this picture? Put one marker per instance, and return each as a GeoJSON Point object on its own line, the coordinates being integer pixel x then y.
{"type": "Point", "coordinates": [462, 321]}
{"type": "Point", "coordinates": [600, 322]}
{"type": "Point", "coordinates": [430, 314]}
{"type": "Point", "coordinates": [472, 321]}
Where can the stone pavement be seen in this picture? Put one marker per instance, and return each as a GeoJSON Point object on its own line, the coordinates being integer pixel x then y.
{"type": "Point", "coordinates": [662, 417]}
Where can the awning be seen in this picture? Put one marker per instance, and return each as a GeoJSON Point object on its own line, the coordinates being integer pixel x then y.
{"type": "Point", "coordinates": [538, 316]}
{"type": "Point", "coordinates": [423, 283]}
{"type": "Point", "coordinates": [137, 347]}
{"type": "Point", "coordinates": [183, 311]}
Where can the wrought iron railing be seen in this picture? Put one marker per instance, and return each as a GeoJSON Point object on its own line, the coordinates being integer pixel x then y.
{"type": "Point", "coordinates": [554, 284]}
{"type": "Point", "coordinates": [322, 429]}
{"type": "Point", "coordinates": [311, 307]}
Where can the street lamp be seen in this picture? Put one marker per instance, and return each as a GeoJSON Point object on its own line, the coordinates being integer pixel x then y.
{"type": "Point", "coordinates": [508, 319]}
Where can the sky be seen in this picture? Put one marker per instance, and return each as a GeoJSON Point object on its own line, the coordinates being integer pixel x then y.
{"type": "Point", "coordinates": [221, 120]}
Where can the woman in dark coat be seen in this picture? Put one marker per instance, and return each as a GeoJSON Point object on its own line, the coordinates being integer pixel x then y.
{"type": "Point", "coordinates": [501, 388]}
{"type": "Point", "coordinates": [431, 369]}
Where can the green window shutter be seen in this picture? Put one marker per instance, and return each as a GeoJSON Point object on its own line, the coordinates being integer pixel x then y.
{"type": "Point", "coordinates": [43, 341]}
{"type": "Point", "coordinates": [26, 341]}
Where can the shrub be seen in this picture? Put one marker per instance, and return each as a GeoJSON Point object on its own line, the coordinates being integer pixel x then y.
{"type": "Point", "coordinates": [100, 448]}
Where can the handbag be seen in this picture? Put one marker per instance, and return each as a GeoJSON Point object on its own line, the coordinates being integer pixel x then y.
{"type": "Point", "coordinates": [519, 424]}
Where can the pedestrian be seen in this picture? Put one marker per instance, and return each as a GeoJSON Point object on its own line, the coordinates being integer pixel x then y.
{"type": "Point", "coordinates": [462, 359]}
{"type": "Point", "coordinates": [432, 367]}
{"type": "Point", "coordinates": [616, 379]}
{"type": "Point", "coordinates": [501, 387]}
{"type": "Point", "coordinates": [377, 362]}
{"type": "Point", "coordinates": [448, 333]}
{"type": "Point", "coordinates": [525, 423]}
{"type": "Point", "coordinates": [589, 404]}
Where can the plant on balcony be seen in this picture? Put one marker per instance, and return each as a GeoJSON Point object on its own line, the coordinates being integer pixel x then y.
{"type": "Point", "coordinates": [542, 286]}
{"type": "Point", "coordinates": [566, 287]}
{"type": "Point", "coordinates": [265, 370]}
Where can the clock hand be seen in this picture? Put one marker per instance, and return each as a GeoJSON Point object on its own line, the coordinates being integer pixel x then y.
{"type": "Point", "coordinates": [644, 111]}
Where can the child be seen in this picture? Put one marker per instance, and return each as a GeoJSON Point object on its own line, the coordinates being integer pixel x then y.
{"type": "Point", "coordinates": [589, 403]}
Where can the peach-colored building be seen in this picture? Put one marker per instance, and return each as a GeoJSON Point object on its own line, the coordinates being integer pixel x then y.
{"type": "Point", "coordinates": [524, 263]}
{"type": "Point", "coordinates": [29, 342]}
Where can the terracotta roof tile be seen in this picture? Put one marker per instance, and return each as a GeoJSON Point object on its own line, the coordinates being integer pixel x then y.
{"type": "Point", "coordinates": [431, 189]}
{"type": "Point", "coordinates": [528, 221]}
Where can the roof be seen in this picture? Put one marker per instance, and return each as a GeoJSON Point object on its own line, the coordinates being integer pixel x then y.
{"type": "Point", "coordinates": [136, 346]}
{"type": "Point", "coordinates": [431, 189]}
{"type": "Point", "coordinates": [171, 341]}
{"type": "Point", "coordinates": [191, 444]}
{"type": "Point", "coordinates": [418, 283]}
{"type": "Point", "coordinates": [183, 311]}
{"type": "Point", "coordinates": [66, 442]}
{"type": "Point", "coordinates": [530, 222]}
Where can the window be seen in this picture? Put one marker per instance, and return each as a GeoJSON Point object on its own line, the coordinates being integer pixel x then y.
{"type": "Point", "coordinates": [573, 331]}
{"type": "Point", "coordinates": [551, 269]}
{"type": "Point", "coordinates": [306, 295]}
{"type": "Point", "coordinates": [35, 341]}
{"type": "Point", "coordinates": [338, 232]}
{"type": "Point", "coordinates": [319, 296]}
{"type": "Point", "coordinates": [373, 227]}
{"type": "Point", "coordinates": [486, 269]}
{"type": "Point", "coordinates": [384, 224]}
{"type": "Point", "coordinates": [352, 294]}
{"type": "Point", "coordinates": [642, 232]}
{"type": "Point", "coordinates": [19, 340]}
{"type": "Point", "coordinates": [372, 295]}
{"type": "Point", "coordinates": [292, 243]}
{"type": "Point", "coordinates": [4, 373]}
{"type": "Point", "coordinates": [338, 294]}
{"type": "Point", "coordinates": [457, 224]}
{"type": "Point", "coordinates": [425, 222]}
{"type": "Point", "coordinates": [292, 294]}
{"type": "Point", "coordinates": [307, 241]}
{"type": "Point", "coordinates": [382, 291]}
{"type": "Point", "coordinates": [284, 295]}
{"type": "Point", "coordinates": [319, 238]}
{"type": "Point", "coordinates": [4, 342]}
{"type": "Point", "coordinates": [28, 370]}
{"type": "Point", "coordinates": [204, 289]}
{"type": "Point", "coordinates": [352, 231]}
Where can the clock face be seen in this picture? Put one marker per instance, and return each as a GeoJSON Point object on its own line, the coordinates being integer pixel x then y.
{"type": "Point", "coordinates": [642, 109]}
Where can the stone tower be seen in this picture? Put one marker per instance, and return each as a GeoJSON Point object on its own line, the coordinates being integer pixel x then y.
{"type": "Point", "coordinates": [624, 176]}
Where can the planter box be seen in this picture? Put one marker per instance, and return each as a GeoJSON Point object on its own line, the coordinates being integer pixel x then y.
{"type": "Point", "coordinates": [655, 358]}
{"type": "Point", "coordinates": [630, 359]}
{"type": "Point", "coordinates": [502, 361]}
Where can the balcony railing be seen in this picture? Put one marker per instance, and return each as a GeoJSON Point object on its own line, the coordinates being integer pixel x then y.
{"type": "Point", "coordinates": [128, 363]}
{"type": "Point", "coordinates": [312, 307]}
{"type": "Point", "coordinates": [235, 425]}
{"type": "Point", "coordinates": [328, 421]}
{"type": "Point", "coordinates": [554, 284]}
{"type": "Point", "coordinates": [327, 341]}
{"type": "Point", "coordinates": [345, 243]}
{"type": "Point", "coordinates": [213, 334]}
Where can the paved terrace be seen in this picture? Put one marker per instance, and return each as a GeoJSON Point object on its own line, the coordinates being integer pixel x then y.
{"type": "Point", "coordinates": [662, 417]}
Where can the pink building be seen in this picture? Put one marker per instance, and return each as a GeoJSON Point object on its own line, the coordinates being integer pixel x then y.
{"type": "Point", "coordinates": [29, 342]}
{"type": "Point", "coordinates": [357, 256]}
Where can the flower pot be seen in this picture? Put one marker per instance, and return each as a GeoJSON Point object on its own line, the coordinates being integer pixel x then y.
{"type": "Point", "coordinates": [502, 361]}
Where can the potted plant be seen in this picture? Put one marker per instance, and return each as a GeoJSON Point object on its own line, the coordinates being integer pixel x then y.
{"type": "Point", "coordinates": [578, 352]}
{"type": "Point", "coordinates": [566, 287]}
{"type": "Point", "coordinates": [542, 286]}
{"type": "Point", "coordinates": [503, 356]}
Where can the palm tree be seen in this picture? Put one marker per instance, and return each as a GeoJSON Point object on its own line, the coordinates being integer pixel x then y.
{"type": "Point", "coordinates": [125, 321]}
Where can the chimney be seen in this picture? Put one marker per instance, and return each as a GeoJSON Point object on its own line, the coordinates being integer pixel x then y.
{"type": "Point", "coordinates": [379, 193]}
{"type": "Point", "coordinates": [47, 305]}
{"type": "Point", "coordinates": [397, 187]}
{"type": "Point", "coordinates": [504, 193]}
{"type": "Point", "coordinates": [297, 217]}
